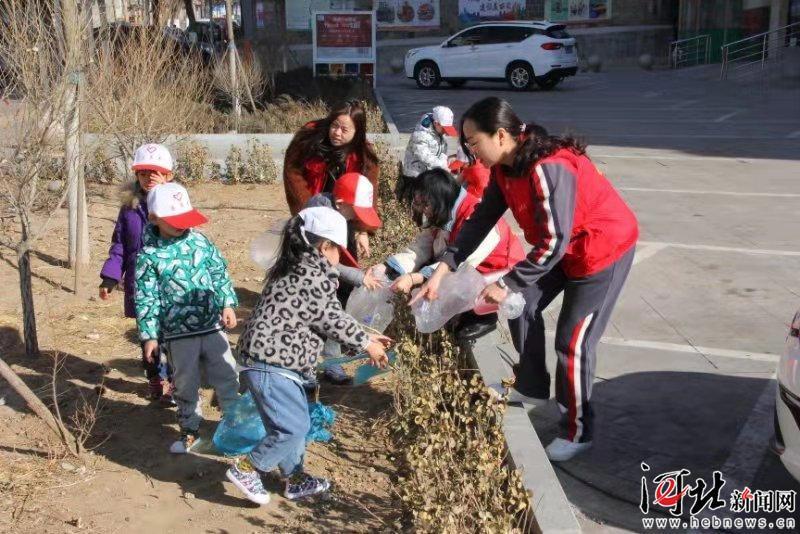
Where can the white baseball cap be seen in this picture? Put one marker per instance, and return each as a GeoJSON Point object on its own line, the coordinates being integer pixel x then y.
{"type": "Point", "coordinates": [325, 222]}
{"type": "Point", "coordinates": [444, 116]}
{"type": "Point", "coordinates": [356, 189]}
{"type": "Point", "coordinates": [152, 157]}
{"type": "Point", "coordinates": [171, 203]}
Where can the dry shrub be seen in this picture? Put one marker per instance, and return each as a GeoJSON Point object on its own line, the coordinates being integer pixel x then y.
{"type": "Point", "coordinates": [454, 477]}
{"type": "Point", "coordinates": [193, 163]}
{"type": "Point", "coordinates": [140, 89]}
{"type": "Point", "coordinates": [100, 168]}
{"type": "Point", "coordinates": [254, 167]}
{"type": "Point", "coordinates": [287, 115]}
{"type": "Point", "coordinates": [250, 80]}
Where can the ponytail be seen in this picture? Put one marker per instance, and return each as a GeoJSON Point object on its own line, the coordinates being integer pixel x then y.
{"type": "Point", "coordinates": [492, 113]}
{"type": "Point", "coordinates": [294, 244]}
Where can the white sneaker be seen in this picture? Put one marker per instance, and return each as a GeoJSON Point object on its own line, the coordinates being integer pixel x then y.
{"type": "Point", "coordinates": [184, 445]}
{"type": "Point", "coordinates": [515, 397]}
{"type": "Point", "coordinates": [561, 450]}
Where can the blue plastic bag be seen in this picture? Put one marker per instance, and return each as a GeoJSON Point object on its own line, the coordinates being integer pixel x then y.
{"type": "Point", "coordinates": [368, 371]}
{"type": "Point", "coordinates": [241, 428]}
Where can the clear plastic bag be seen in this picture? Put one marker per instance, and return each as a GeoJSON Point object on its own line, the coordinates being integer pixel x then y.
{"type": "Point", "coordinates": [510, 308]}
{"type": "Point", "coordinates": [457, 294]}
{"type": "Point", "coordinates": [265, 247]}
{"type": "Point", "coordinates": [374, 309]}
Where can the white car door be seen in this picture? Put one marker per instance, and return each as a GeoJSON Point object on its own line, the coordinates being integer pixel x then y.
{"type": "Point", "coordinates": [462, 55]}
{"type": "Point", "coordinates": [501, 48]}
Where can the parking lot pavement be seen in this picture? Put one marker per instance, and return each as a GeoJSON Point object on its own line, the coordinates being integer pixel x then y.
{"type": "Point", "coordinates": [685, 373]}
{"type": "Point", "coordinates": [684, 110]}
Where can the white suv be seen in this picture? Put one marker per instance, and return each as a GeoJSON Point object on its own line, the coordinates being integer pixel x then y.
{"type": "Point", "coordinates": [787, 404]}
{"type": "Point", "coordinates": [521, 53]}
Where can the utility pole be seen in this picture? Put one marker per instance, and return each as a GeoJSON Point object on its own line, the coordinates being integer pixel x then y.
{"type": "Point", "coordinates": [232, 53]}
{"type": "Point", "coordinates": [78, 223]}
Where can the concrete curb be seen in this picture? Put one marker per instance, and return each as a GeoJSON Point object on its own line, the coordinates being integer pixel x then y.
{"type": "Point", "coordinates": [551, 510]}
{"type": "Point", "coordinates": [387, 117]}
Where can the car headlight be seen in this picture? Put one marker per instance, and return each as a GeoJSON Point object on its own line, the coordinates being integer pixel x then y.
{"type": "Point", "coordinates": [411, 53]}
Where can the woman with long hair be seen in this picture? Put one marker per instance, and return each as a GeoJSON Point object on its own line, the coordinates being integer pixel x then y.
{"type": "Point", "coordinates": [582, 235]}
{"type": "Point", "coordinates": [324, 150]}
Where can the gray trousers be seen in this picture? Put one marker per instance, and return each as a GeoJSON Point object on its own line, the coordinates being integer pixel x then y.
{"type": "Point", "coordinates": [190, 357]}
{"type": "Point", "coordinates": [586, 309]}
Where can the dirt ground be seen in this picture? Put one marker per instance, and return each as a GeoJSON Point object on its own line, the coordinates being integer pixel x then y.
{"type": "Point", "coordinates": [130, 482]}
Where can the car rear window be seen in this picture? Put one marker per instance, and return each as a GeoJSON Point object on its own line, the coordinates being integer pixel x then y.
{"type": "Point", "coordinates": [558, 32]}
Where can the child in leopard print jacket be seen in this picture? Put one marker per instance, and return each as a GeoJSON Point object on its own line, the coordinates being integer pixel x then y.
{"type": "Point", "coordinates": [281, 343]}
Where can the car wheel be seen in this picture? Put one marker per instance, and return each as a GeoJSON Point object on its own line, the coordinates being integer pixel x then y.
{"type": "Point", "coordinates": [519, 76]}
{"type": "Point", "coordinates": [456, 83]}
{"type": "Point", "coordinates": [427, 75]}
{"type": "Point", "coordinates": [548, 82]}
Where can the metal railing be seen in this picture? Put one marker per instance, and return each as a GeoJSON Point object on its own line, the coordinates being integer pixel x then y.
{"type": "Point", "coordinates": [690, 52]}
{"type": "Point", "coordinates": [752, 55]}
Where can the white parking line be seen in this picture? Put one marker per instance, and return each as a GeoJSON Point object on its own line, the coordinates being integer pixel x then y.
{"type": "Point", "coordinates": [710, 192]}
{"type": "Point", "coordinates": [714, 248]}
{"type": "Point", "coordinates": [683, 104]}
{"type": "Point", "coordinates": [793, 135]}
{"type": "Point", "coordinates": [727, 116]}
{"type": "Point", "coordinates": [647, 251]}
{"type": "Point", "coordinates": [690, 349]}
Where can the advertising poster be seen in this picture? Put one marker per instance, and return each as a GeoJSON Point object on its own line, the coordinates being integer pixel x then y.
{"type": "Point", "coordinates": [407, 14]}
{"type": "Point", "coordinates": [472, 11]}
{"type": "Point", "coordinates": [343, 37]}
{"type": "Point", "coordinates": [577, 10]}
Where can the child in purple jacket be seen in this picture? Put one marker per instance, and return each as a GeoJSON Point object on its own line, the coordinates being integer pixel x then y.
{"type": "Point", "coordinates": [153, 165]}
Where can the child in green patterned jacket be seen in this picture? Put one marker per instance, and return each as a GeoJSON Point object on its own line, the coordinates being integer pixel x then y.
{"type": "Point", "coordinates": [184, 298]}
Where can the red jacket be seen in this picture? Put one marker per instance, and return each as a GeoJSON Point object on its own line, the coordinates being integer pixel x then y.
{"type": "Point", "coordinates": [304, 176]}
{"type": "Point", "coordinates": [505, 254]}
{"type": "Point", "coordinates": [499, 250]}
{"type": "Point", "coordinates": [569, 212]}
{"type": "Point", "coordinates": [475, 178]}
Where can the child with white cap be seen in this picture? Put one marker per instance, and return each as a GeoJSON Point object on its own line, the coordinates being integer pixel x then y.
{"type": "Point", "coordinates": [427, 147]}
{"type": "Point", "coordinates": [352, 197]}
{"type": "Point", "coordinates": [152, 165]}
{"type": "Point", "coordinates": [282, 342]}
{"type": "Point", "coordinates": [184, 298]}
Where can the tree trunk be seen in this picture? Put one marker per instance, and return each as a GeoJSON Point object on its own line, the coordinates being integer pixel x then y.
{"type": "Point", "coordinates": [232, 52]}
{"type": "Point", "coordinates": [188, 5]}
{"type": "Point", "coordinates": [26, 293]}
{"type": "Point", "coordinates": [39, 408]}
{"type": "Point", "coordinates": [102, 8]}
{"type": "Point", "coordinates": [78, 253]}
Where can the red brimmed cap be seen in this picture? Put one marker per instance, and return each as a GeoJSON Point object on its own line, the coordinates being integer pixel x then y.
{"type": "Point", "coordinates": [354, 188]}
{"type": "Point", "coordinates": [170, 202]}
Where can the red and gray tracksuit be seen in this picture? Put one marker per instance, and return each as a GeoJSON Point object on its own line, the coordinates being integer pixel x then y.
{"type": "Point", "coordinates": [583, 236]}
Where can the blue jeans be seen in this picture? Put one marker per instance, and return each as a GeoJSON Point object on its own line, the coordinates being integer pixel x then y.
{"type": "Point", "coordinates": [282, 404]}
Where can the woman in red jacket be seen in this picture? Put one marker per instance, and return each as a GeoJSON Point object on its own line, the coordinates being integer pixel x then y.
{"type": "Point", "coordinates": [324, 150]}
{"type": "Point", "coordinates": [582, 235]}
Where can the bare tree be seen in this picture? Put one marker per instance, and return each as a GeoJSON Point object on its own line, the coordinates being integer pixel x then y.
{"type": "Point", "coordinates": [31, 149]}
{"type": "Point", "coordinates": [144, 89]}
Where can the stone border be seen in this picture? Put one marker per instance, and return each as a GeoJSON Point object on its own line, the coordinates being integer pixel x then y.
{"type": "Point", "coordinates": [552, 512]}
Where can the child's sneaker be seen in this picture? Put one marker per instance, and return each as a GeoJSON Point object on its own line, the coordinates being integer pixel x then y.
{"type": "Point", "coordinates": [154, 389]}
{"type": "Point", "coordinates": [336, 375]}
{"type": "Point", "coordinates": [303, 485]}
{"type": "Point", "coordinates": [167, 388]}
{"type": "Point", "coordinates": [184, 445]}
{"type": "Point", "coordinates": [248, 481]}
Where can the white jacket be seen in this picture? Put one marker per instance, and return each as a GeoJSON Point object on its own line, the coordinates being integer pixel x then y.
{"type": "Point", "coordinates": [426, 149]}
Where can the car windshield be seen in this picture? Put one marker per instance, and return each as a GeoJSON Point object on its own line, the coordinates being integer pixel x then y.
{"type": "Point", "coordinates": [558, 32]}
